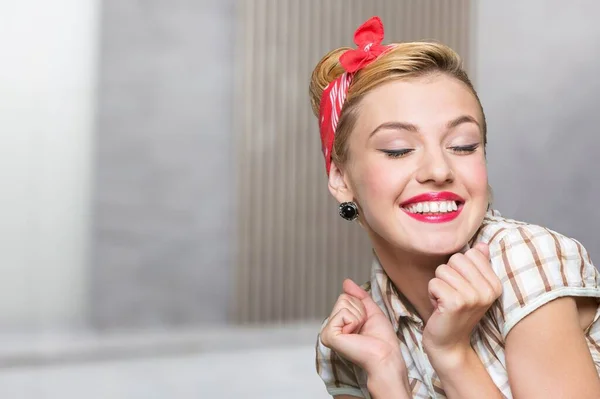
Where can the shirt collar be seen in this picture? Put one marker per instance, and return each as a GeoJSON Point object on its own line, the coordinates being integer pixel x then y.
{"type": "Point", "coordinates": [392, 301]}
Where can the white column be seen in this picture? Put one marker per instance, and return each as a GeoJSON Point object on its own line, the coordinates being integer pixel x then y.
{"type": "Point", "coordinates": [47, 84]}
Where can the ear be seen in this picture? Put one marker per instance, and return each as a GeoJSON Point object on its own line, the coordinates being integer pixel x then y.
{"type": "Point", "coordinates": [339, 185]}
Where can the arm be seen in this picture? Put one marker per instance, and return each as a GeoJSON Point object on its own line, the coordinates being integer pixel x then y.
{"type": "Point", "coordinates": [384, 388]}
{"type": "Point", "coordinates": [464, 376]}
{"type": "Point", "coordinates": [384, 383]}
{"type": "Point", "coordinates": [461, 293]}
{"type": "Point", "coordinates": [547, 355]}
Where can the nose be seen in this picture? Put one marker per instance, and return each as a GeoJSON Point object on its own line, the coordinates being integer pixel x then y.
{"type": "Point", "coordinates": [435, 168]}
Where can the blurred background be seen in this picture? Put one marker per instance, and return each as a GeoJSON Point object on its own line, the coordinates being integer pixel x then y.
{"type": "Point", "coordinates": [165, 227]}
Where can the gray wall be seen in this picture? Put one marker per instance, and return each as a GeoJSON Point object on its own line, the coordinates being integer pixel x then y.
{"type": "Point", "coordinates": [537, 75]}
{"type": "Point", "coordinates": [164, 162]}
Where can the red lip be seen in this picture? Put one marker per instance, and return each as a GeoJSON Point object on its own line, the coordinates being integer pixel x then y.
{"type": "Point", "coordinates": [434, 196]}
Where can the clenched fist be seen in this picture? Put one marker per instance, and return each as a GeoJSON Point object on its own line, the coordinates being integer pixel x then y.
{"type": "Point", "coordinates": [461, 293]}
{"type": "Point", "coordinates": [358, 330]}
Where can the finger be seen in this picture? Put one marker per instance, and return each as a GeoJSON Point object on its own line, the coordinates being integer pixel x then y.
{"type": "Point", "coordinates": [441, 295]}
{"type": "Point", "coordinates": [350, 292]}
{"type": "Point", "coordinates": [358, 305]}
{"type": "Point", "coordinates": [455, 280]}
{"type": "Point", "coordinates": [345, 322]}
{"type": "Point", "coordinates": [472, 271]}
{"type": "Point", "coordinates": [351, 288]}
{"type": "Point", "coordinates": [467, 268]}
{"type": "Point", "coordinates": [345, 302]}
{"type": "Point", "coordinates": [338, 323]}
{"type": "Point", "coordinates": [482, 262]}
{"type": "Point", "coordinates": [483, 248]}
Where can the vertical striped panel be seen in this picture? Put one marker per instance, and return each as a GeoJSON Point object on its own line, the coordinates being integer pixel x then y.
{"type": "Point", "coordinates": [293, 248]}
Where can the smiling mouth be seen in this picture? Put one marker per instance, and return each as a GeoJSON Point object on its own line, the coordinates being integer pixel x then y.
{"type": "Point", "coordinates": [433, 207]}
{"type": "Point", "coordinates": [434, 211]}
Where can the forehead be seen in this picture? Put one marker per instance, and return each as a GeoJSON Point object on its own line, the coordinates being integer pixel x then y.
{"type": "Point", "coordinates": [425, 101]}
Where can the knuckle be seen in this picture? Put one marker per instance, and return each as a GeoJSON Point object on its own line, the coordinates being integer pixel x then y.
{"type": "Point", "coordinates": [473, 254]}
{"type": "Point", "coordinates": [354, 301]}
{"type": "Point", "coordinates": [497, 285]}
{"type": "Point", "coordinates": [342, 303]}
{"type": "Point", "coordinates": [470, 299]}
{"type": "Point", "coordinates": [498, 291]}
{"type": "Point", "coordinates": [456, 258]}
{"type": "Point", "coordinates": [434, 283]}
{"type": "Point", "coordinates": [459, 303]}
{"type": "Point", "coordinates": [488, 296]}
{"type": "Point", "coordinates": [342, 297]}
{"type": "Point", "coordinates": [441, 270]}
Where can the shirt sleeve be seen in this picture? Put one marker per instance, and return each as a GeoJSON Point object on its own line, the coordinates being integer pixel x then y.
{"type": "Point", "coordinates": [537, 265]}
{"type": "Point", "coordinates": [337, 373]}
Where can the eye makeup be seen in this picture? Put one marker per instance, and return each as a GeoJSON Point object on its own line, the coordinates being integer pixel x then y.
{"type": "Point", "coordinates": [465, 149]}
{"type": "Point", "coordinates": [397, 153]}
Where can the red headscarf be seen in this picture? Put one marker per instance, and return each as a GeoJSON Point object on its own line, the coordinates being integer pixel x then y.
{"type": "Point", "coordinates": [368, 38]}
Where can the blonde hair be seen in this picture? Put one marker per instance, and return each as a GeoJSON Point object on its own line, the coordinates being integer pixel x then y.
{"type": "Point", "coordinates": [404, 60]}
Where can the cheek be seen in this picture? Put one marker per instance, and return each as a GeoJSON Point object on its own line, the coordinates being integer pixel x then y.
{"type": "Point", "coordinates": [474, 176]}
{"type": "Point", "coordinates": [378, 181]}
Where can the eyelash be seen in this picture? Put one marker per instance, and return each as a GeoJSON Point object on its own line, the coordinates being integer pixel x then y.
{"type": "Point", "coordinates": [397, 153]}
{"type": "Point", "coordinates": [465, 149]}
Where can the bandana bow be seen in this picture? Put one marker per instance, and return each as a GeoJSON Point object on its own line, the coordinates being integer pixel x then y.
{"type": "Point", "coordinates": [368, 38]}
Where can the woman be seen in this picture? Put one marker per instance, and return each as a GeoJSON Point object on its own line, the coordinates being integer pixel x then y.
{"type": "Point", "coordinates": [462, 303]}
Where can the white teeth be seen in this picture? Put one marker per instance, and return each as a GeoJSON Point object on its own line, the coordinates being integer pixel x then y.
{"type": "Point", "coordinates": [433, 207]}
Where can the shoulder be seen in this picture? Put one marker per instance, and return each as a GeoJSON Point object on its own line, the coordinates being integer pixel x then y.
{"type": "Point", "coordinates": [535, 266]}
{"type": "Point", "coordinates": [495, 227]}
{"type": "Point", "coordinates": [504, 234]}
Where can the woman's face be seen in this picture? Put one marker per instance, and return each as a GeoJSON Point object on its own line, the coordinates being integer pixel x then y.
{"type": "Point", "coordinates": [416, 165]}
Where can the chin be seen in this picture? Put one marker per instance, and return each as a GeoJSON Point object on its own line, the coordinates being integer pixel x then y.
{"type": "Point", "coordinates": [430, 243]}
{"type": "Point", "coordinates": [428, 239]}
{"type": "Point", "coordinates": [439, 248]}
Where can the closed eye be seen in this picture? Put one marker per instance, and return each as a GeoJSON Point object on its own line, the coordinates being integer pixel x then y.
{"type": "Point", "coordinates": [465, 149]}
{"type": "Point", "coordinates": [397, 153]}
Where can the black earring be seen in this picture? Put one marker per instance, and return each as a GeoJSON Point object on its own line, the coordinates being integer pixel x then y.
{"type": "Point", "coordinates": [349, 211]}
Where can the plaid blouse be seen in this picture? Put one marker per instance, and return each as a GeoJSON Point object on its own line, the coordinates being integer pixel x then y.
{"type": "Point", "coordinates": [535, 266]}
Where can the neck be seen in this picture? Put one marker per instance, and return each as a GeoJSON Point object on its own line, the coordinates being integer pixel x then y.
{"type": "Point", "coordinates": [411, 274]}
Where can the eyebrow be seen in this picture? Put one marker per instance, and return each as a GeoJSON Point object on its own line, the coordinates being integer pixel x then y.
{"type": "Point", "coordinates": [397, 125]}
